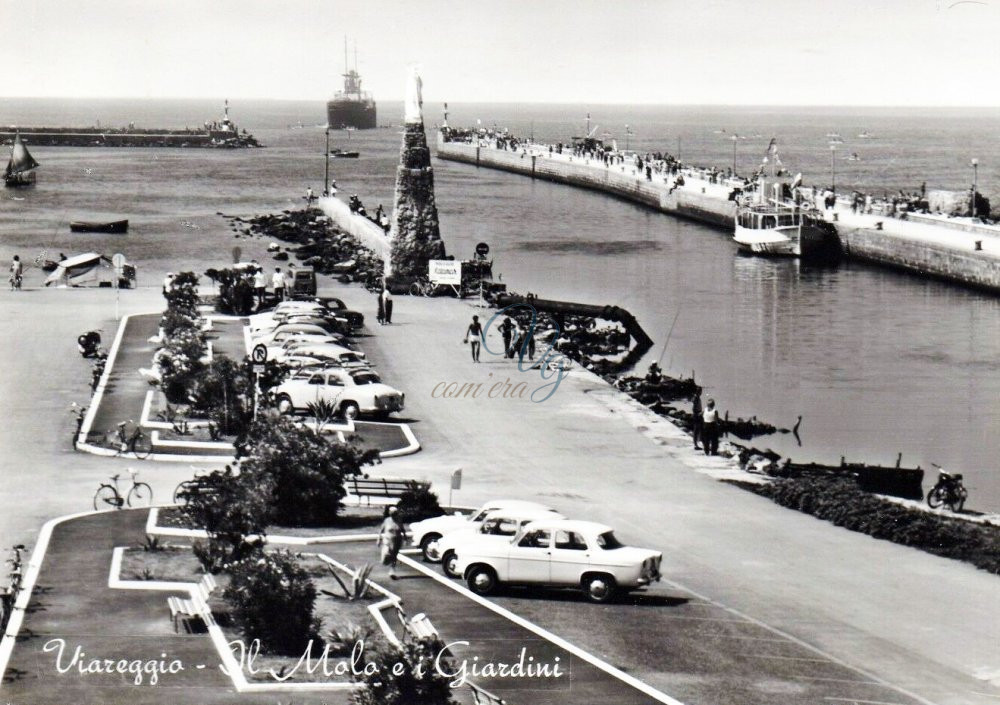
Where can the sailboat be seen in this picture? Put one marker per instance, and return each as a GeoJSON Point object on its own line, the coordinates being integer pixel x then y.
{"type": "Point", "coordinates": [20, 168]}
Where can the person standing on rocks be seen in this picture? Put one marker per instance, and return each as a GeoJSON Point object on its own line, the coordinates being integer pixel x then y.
{"type": "Point", "coordinates": [390, 539]}
{"type": "Point", "coordinates": [697, 420]}
{"type": "Point", "coordinates": [474, 336]}
{"type": "Point", "coordinates": [387, 302]}
{"type": "Point", "coordinates": [710, 429]}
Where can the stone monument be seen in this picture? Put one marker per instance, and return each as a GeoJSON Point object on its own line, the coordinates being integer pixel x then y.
{"type": "Point", "coordinates": [415, 234]}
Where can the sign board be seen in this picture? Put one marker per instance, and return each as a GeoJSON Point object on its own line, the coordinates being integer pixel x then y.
{"type": "Point", "coordinates": [259, 354]}
{"type": "Point", "coordinates": [118, 261]}
{"type": "Point", "coordinates": [237, 253]}
{"type": "Point", "coordinates": [258, 369]}
{"type": "Point", "coordinates": [456, 479]}
{"type": "Point", "coordinates": [444, 271]}
{"type": "Point", "coordinates": [482, 249]}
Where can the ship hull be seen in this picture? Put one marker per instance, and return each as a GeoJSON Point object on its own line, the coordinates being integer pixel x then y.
{"type": "Point", "coordinates": [355, 114]}
{"type": "Point", "coordinates": [817, 243]}
{"type": "Point", "coordinates": [19, 180]}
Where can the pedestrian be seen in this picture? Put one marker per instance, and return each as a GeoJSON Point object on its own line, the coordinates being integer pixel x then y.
{"type": "Point", "coordinates": [506, 331]}
{"type": "Point", "coordinates": [309, 195]}
{"type": "Point", "coordinates": [710, 429]}
{"type": "Point", "coordinates": [259, 284]}
{"type": "Point", "coordinates": [387, 301]}
{"type": "Point", "coordinates": [380, 317]}
{"type": "Point", "coordinates": [278, 284]}
{"type": "Point", "coordinates": [390, 539]}
{"type": "Point", "coordinates": [168, 282]}
{"type": "Point", "coordinates": [16, 273]}
{"type": "Point", "coordinates": [333, 188]}
{"type": "Point", "coordinates": [474, 336]}
{"type": "Point", "coordinates": [697, 422]}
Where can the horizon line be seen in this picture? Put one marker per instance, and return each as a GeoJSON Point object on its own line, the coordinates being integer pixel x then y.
{"type": "Point", "coordinates": [908, 106]}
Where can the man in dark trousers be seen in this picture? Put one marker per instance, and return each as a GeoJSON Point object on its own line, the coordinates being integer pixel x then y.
{"type": "Point", "coordinates": [506, 329]}
{"type": "Point", "coordinates": [710, 431]}
{"type": "Point", "coordinates": [697, 422]}
{"type": "Point", "coordinates": [387, 300]}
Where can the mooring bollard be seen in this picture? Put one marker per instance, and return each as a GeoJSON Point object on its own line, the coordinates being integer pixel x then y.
{"type": "Point", "coordinates": [979, 245]}
{"type": "Point", "coordinates": [878, 225]}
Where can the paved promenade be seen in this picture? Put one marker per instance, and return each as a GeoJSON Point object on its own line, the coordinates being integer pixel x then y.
{"type": "Point", "coordinates": [924, 624]}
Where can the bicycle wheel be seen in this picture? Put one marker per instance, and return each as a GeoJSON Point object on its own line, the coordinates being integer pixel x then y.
{"type": "Point", "coordinates": [141, 445]}
{"type": "Point", "coordinates": [936, 497]}
{"type": "Point", "coordinates": [180, 493]}
{"type": "Point", "coordinates": [107, 496]}
{"type": "Point", "coordinates": [141, 495]}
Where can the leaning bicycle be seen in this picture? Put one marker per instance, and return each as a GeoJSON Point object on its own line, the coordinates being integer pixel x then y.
{"type": "Point", "coordinates": [109, 495]}
{"type": "Point", "coordinates": [135, 443]}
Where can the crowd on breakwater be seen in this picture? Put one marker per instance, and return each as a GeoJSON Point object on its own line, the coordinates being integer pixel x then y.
{"type": "Point", "coordinates": [668, 169]}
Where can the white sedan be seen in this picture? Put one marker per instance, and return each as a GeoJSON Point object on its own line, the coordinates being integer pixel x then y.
{"type": "Point", "coordinates": [426, 533]}
{"type": "Point", "coordinates": [500, 525]}
{"type": "Point", "coordinates": [350, 392]}
{"type": "Point", "coordinates": [559, 553]}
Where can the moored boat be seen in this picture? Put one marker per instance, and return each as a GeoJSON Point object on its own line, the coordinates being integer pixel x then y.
{"type": "Point", "coordinates": [112, 226]}
{"type": "Point", "coordinates": [344, 154]}
{"type": "Point", "coordinates": [21, 167]}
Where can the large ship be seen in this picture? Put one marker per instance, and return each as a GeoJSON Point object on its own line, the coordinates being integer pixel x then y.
{"type": "Point", "coordinates": [351, 108]}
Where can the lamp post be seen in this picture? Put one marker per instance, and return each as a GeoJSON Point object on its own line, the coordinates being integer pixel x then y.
{"type": "Point", "coordinates": [833, 168]}
{"type": "Point", "coordinates": [628, 133]}
{"type": "Point", "coordinates": [326, 157]}
{"type": "Point", "coordinates": [733, 138]}
{"type": "Point", "coordinates": [975, 184]}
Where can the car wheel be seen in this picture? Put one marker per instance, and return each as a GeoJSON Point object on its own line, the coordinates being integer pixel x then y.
{"type": "Point", "coordinates": [285, 405]}
{"type": "Point", "coordinates": [481, 579]}
{"type": "Point", "coordinates": [428, 546]}
{"type": "Point", "coordinates": [448, 561]}
{"type": "Point", "coordinates": [349, 410]}
{"type": "Point", "coordinates": [599, 588]}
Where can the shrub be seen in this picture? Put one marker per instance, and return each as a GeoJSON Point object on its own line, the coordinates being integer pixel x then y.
{"type": "Point", "coordinates": [418, 503]}
{"type": "Point", "coordinates": [182, 295]}
{"type": "Point", "coordinates": [423, 680]}
{"type": "Point", "coordinates": [306, 472]}
{"type": "Point", "coordinates": [180, 363]}
{"type": "Point", "coordinates": [272, 599]}
{"type": "Point", "coordinates": [229, 506]}
{"type": "Point", "coordinates": [224, 393]}
{"type": "Point", "coordinates": [175, 320]}
{"type": "Point", "coordinates": [841, 502]}
{"type": "Point", "coordinates": [236, 295]}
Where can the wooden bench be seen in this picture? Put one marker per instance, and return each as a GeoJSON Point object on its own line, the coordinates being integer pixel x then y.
{"type": "Point", "coordinates": [418, 626]}
{"type": "Point", "coordinates": [181, 610]}
{"type": "Point", "coordinates": [387, 487]}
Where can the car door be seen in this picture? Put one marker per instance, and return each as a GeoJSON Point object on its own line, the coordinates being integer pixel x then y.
{"type": "Point", "coordinates": [333, 391]}
{"type": "Point", "coordinates": [314, 389]}
{"type": "Point", "coordinates": [528, 560]}
{"type": "Point", "coordinates": [570, 557]}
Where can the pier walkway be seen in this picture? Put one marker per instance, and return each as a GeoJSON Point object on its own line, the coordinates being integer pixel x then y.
{"type": "Point", "coordinates": [955, 249]}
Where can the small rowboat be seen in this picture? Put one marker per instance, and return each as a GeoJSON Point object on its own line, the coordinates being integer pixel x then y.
{"type": "Point", "coordinates": [344, 154]}
{"type": "Point", "coordinates": [114, 226]}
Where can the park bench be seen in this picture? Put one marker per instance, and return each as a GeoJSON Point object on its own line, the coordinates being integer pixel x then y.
{"type": "Point", "coordinates": [387, 487]}
{"type": "Point", "coordinates": [418, 626]}
{"type": "Point", "coordinates": [481, 696]}
{"type": "Point", "coordinates": [182, 610]}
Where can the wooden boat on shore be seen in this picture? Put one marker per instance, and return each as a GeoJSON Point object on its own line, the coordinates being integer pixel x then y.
{"type": "Point", "coordinates": [113, 226]}
{"type": "Point", "coordinates": [20, 170]}
{"type": "Point", "coordinates": [344, 154]}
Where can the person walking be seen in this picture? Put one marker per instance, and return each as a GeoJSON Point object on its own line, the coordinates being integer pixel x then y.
{"type": "Point", "coordinates": [16, 273]}
{"type": "Point", "coordinates": [697, 420]}
{"type": "Point", "coordinates": [309, 196]}
{"type": "Point", "coordinates": [387, 302]}
{"type": "Point", "coordinates": [506, 328]}
{"type": "Point", "coordinates": [474, 336]}
{"type": "Point", "coordinates": [278, 283]}
{"type": "Point", "coordinates": [380, 317]}
{"type": "Point", "coordinates": [710, 429]}
{"type": "Point", "coordinates": [390, 539]}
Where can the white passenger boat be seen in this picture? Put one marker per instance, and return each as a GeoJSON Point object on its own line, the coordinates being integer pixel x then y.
{"type": "Point", "coordinates": [769, 223]}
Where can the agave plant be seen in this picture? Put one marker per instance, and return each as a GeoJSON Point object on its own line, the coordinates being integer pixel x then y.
{"type": "Point", "coordinates": [359, 583]}
{"type": "Point", "coordinates": [323, 411]}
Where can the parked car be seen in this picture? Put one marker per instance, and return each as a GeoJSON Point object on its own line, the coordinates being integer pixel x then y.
{"type": "Point", "coordinates": [284, 343]}
{"type": "Point", "coordinates": [559, 553]}
{"type": "Point", "coordinates": [356, 318]}
{"type": "Point", "coordinates": [426, 533]}
{"type": "Point", "coordinates": [500, 525]}
{"type": "Point", "coordinates": [327, 353]}
{"type": "Point", "coordinates": [352, 392]}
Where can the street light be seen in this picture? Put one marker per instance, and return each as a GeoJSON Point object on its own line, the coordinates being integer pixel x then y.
{"type": "Point", "coordinates": [975, 184]}
{"type": "Point", "coordinates": [628, 133]}
{"type": "Point", "coordinates": [833, 168]}
{"type": "Point", "coordinates": [734, 154]}
{"type": "Point", "coordinates": [326, 156]}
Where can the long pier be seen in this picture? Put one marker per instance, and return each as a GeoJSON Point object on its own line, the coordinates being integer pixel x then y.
{"type": "Point", "coordinates": [953, 249]}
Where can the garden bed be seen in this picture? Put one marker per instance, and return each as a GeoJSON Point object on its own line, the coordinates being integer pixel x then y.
{"type": "Point", "coordinates": [170, 562]}
{"type": "Point", "coordinates": [352, 520]}
{"type": "Point", "coordinates": [841, 502]}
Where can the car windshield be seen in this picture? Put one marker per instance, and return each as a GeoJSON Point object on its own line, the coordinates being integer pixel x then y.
{"type": "Point", "coordinates": [365, 378]}
{"type": "Point", "coordinates": [608, 542]}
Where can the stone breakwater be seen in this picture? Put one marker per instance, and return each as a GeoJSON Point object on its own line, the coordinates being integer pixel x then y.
{"type": "Point", "coordinates": [942, 248]}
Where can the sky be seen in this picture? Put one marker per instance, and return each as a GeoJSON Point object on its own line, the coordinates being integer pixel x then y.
{"type": "Point", "coordinates": [763, 52]}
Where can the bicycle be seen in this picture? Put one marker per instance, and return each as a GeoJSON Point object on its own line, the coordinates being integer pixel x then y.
{"type": "Point", "coordinates": [139, 495]}
{"type": "Point", "coordinates": [9, 594]}
{"type": "Point", "coordinates": [137, 442]}
{"type": "Point", "coordinates": [187, 488]}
